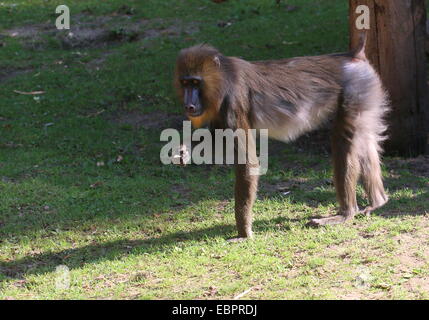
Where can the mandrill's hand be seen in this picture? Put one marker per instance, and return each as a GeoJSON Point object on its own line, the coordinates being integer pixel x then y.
{"type": "Point", "coordinates": [181, 157]}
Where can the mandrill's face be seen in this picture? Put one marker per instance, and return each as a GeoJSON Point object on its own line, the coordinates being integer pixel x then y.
{"type": "Point", "coordinates": [197, 81]}
{"type": "Point", "coordinates": [191, 87]}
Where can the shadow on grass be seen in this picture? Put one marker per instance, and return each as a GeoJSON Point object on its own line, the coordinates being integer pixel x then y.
{"type": "Point", "coordinates": [75, 258]}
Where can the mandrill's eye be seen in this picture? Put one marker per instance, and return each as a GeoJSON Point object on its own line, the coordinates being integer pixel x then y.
{"type": "Point", "coordinates": [193, 81]}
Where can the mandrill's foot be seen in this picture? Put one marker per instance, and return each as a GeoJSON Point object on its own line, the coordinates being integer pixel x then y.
{"type": "Point", "coordinates": [368, 210]}
{"type": "Point", "coordinates": [243, 236]}
{"type": "Point", "coordinates": [339, 219]}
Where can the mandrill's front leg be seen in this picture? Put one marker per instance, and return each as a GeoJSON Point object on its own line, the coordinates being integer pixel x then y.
{"type": "Point", "coordinates": [246, 182]}
{"type": "Point", "coordinates": [246, 186]}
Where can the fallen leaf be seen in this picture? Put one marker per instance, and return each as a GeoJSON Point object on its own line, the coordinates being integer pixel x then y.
{"type": "Point", "coordinates": [224, 24]}
{"type": "Point", "coordinates": [95, 114]}
{"type": "Point", "coordinates": [289, 43]}
{"type": "Point", "coordinates": [384, 286]}
{"type": "Point", "coordinates": [29, 93]}
{"type": "Point", "coordinates": [243, 294]}
{"type": "Point", "coordinates": [290, 8]}
{"type": "Point", "coordinates": [96, 184]}
{"type": "Point", "coordinates": [20, 283]}
{"type": "Point", "coordinates": [211, 292]}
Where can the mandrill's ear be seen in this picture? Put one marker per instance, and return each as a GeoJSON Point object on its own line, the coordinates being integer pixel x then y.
{"type": "Point", "coordinates": [216, 60]}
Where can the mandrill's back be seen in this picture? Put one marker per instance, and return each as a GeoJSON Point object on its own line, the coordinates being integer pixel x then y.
{"type": "Point", "coordinates": [324, 71]}
{"type": "Point", "coordinates": [294, 96]}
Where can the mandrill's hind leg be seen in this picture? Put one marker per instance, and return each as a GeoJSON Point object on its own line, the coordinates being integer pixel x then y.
{"type": "Point", "coordinates": [358, 130]}
{"type": "Point", "coordinates": [371, 172]}
{"type": "Point", "coordinates": [345, 155]}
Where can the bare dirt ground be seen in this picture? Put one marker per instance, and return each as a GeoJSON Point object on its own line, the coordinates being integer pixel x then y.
{"type": "Point", "coordinates": [89, 31]}
{"type": "Point", "coordinates": [154, 120]}
{"type": "Point", "coordinates": [99, 31]}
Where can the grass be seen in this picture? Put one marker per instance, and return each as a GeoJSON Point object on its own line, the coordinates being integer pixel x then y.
{"type": "Point", "coordinates": [82, 184]}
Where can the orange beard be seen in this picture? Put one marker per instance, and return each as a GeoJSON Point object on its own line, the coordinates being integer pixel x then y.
{"type": "Point", "coordinates": [198, 122]}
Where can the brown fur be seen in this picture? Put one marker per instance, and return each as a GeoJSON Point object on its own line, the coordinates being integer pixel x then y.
{"type": "Point", "coordinates": [290, 97]}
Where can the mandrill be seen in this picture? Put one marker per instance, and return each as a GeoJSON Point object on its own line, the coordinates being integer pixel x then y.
{"type": "Point", "coordinates": [290, 97]}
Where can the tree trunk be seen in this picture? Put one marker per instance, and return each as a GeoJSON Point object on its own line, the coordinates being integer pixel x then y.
{"type": "Point", "coordinates": [396, 48]}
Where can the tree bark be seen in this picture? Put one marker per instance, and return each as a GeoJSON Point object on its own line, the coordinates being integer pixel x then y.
{"type": "Point", "coordinates": [396, 48]}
